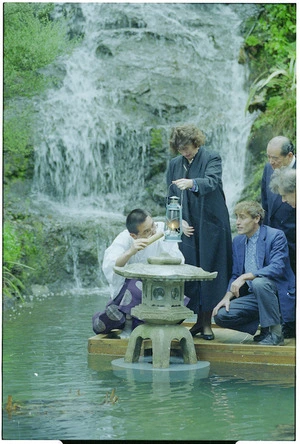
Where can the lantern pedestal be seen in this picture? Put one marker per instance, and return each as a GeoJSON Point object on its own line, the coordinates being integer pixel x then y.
{"type": "Point", "coordinates": [162, 309]}
{"type": "Point", "coordinates": [161, 337]}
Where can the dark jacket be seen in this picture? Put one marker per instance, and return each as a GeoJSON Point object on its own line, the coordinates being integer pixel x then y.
{"type": "Point", "coordinates": [279, 214]}
{"type": "Point", "coordinates": [211, 246]}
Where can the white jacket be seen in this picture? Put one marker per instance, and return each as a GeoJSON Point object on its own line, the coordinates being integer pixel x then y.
{"type": "Point", "coordinates": [121, 244]}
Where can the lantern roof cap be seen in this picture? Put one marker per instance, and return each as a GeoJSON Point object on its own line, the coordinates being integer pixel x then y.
{"type": "Point", "coordinates": [182, 272]}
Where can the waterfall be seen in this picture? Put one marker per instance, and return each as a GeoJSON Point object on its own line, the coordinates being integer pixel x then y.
{"type": "Point", "coordinates": [140, 67]}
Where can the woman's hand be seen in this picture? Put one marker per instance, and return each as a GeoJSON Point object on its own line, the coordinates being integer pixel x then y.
{"type": "Point", "coordinates": [187, 229]}
{"type": "Point", "coordinates": [183, 184]}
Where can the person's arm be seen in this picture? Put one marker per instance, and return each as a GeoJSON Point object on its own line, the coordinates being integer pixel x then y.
{"type": "Point", "coordinates": [137, 245]}
{"type": "Point", "coordinates": [206, 184]}
{"type": "Point", "coordinates": [213, 175]}
{"type": "Point", "coordinates": [239, 282]}
{"type": "Point", "coordinates": [277, 257]}
{"type": "Point", "coordinates": [184, 184]}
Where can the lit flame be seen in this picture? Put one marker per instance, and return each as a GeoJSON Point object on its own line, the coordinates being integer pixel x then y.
{"type": "Point", "coordinates": [174, 224]}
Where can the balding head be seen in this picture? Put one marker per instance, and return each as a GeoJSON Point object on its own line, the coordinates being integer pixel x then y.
{"type": "Point", "coordinates": [280, 152]}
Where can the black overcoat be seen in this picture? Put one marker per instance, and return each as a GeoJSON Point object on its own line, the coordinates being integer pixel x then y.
{"type": "Point", "coordinates": [210, 247]}
{"type": "Point", "coordinates": [279, 214]}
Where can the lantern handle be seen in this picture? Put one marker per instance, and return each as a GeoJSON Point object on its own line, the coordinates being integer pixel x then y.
{"type": "Point", "coordinates": [181, 196]}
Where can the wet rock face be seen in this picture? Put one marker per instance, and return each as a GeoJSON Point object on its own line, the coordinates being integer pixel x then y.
{"type": "Point", "coordinates": [139, 70]}
{"type": "Point", "coordinates": [101, 141]}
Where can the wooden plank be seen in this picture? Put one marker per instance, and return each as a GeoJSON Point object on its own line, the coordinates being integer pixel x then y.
{"type": "Point", "coordinates": [228, 346]}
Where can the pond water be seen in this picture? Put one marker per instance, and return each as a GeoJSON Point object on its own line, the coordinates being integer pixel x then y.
{"type": "Point", "coordinates": [58, 392]}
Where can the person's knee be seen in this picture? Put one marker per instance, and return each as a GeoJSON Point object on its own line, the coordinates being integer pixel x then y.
{"type": "Point", "coordinates": [98, 326]}
{"type": "Point", "coordinates": [221, 317]}
{"type": "Point", "coordinates": [262, 283]}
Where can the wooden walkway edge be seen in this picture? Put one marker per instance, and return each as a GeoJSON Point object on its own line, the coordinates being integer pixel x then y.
{"type": "Point", "coordinates": [228, 347]}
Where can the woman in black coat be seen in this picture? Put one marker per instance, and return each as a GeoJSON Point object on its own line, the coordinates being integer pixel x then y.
{"type": "Point", "coordinates": [196, 177]}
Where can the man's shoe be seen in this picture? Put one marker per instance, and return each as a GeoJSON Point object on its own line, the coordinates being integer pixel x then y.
{"type": "Point", "coordinates": [289, 330]}
{"type": "Point", "coordinates": [263, 333]}
{"type": "Point", "coordinates": [272, 339]}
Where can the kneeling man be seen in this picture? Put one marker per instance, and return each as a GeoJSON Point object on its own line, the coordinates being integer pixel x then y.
{"type": "Point", "coordinates": [133, 245]}
{"type": "Point", "coordinates": [262, 286]}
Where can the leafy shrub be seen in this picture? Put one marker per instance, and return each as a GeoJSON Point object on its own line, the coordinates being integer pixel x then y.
{"type": "Point", "coordinates": [11, 243]}
{"type": "Point", "coordinates": [274, 89]}
{"type": "Point", "coordinates": [11, 255]}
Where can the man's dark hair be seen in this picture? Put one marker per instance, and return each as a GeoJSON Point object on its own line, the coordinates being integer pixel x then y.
{"type": "Point", "coordinates": [134, 219]}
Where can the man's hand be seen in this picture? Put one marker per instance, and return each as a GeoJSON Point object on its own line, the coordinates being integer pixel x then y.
{"type": "Point", "coordinates": [225, 302]}
{"type": "Point", "coordinates": [239, 282]}
{"type": "Point", "coordinates": [187, 229]}
{"type": "Point", "coordinates": [138, 245]}
{"type": "Point", "coordinates": [183, 184]}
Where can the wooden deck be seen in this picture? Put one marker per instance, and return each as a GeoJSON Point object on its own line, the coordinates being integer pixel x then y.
{"type": "Point", "coordinates": [228, 347]}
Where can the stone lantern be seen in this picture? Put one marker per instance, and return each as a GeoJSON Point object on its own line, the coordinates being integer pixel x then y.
{"type": "Point", "coordinates": [162, 308]}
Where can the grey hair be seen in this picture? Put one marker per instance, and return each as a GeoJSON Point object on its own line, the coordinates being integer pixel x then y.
{"type": "Point", "coordinates": [283, 180]}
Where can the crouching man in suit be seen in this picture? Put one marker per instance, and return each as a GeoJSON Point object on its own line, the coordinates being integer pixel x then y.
{"type": "Point", "coordinates": [262, 286]}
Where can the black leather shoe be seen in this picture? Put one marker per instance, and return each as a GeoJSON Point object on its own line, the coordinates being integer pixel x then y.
{"type": "Point", "coordinates": [289, 330]}
{"type": "Point", "coordinates": [208, 337]}
{"type": "Point", "coordinates": [195, 330]}
{"type": "Point", "coordinates": [263, 333]}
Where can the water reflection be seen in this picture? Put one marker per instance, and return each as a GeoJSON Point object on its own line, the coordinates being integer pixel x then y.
{"type": "Point", "coordinates": [61, 390]}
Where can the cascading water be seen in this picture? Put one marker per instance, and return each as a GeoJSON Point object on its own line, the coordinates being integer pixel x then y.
{"type": "Point", "coordinates": [140, 67]}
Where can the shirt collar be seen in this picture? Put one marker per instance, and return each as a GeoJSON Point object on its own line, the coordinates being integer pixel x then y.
{"type": "Point", "coordinates": [292, 162]}
{"type": "Point", "coordinates": [254, 237]}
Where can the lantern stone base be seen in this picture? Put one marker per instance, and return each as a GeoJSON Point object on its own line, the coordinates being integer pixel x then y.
{"type": "Point", "coordinates": [161, 337]}
{"type": "Point", "coordinates": [143, 371]}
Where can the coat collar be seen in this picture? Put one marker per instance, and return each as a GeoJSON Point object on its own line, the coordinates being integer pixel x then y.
{"type": "Point", "coordinates": [260, 249]}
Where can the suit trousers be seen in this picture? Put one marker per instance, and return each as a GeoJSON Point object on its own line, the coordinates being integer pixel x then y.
{"type": "Point", "coordinates": [248, 311]}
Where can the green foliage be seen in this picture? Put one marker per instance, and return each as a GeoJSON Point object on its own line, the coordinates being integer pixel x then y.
{"type": "Point", "coordinates": [23, 251]}
{"type": "Point", "coordinates": [11, 244]}
{"type": "Point", "coordinates": [156, 138]}
{"type": "Point", "coordinates": [279, 27]}
{"type": "Point", "coordinates": [274, 90]}
{"type": "Point", "coordinates": [31, 42]}
{"type": "Point", "coordinates": [253, 190]}
{"type": "Point", "coordinates": [252, 40]}
{"type": "Point", "coordinates": [273, 35]}
{"type": "Point", "coordinates": [17, 142]}
{"type": "Point", "coordinates": [157, 162]}
{"type": "Point", "coordinates": [12, 285]}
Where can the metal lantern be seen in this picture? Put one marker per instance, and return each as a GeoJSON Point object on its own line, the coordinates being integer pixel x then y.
{"type": "Point", "coordinates": [173, 223]}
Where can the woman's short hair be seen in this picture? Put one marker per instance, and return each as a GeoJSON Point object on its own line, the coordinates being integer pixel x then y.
{"type": "Point", "coordinates": [185, 135]}
{"type": "Point", "coordinates": [250, 207]}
